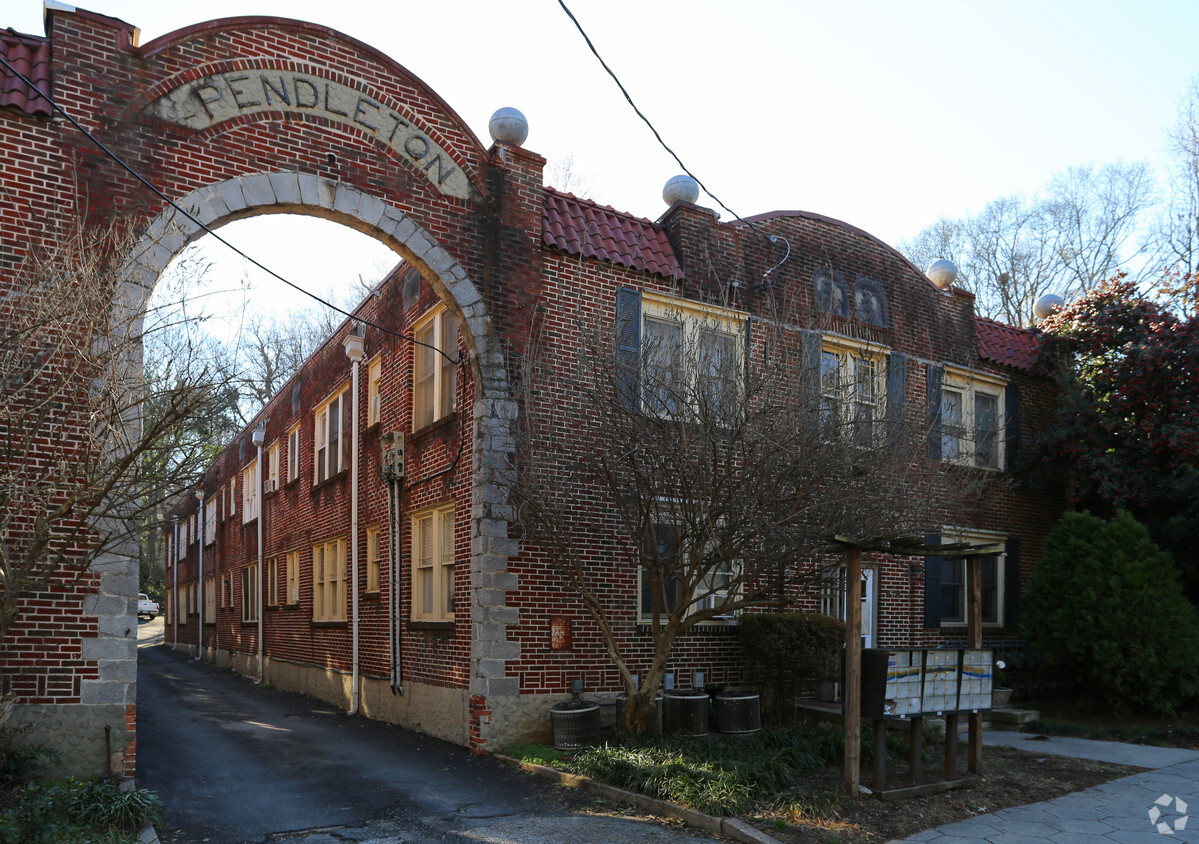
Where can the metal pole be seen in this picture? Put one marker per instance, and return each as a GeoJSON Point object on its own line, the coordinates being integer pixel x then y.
{"type": "Point", "coordinates": [200, 578]}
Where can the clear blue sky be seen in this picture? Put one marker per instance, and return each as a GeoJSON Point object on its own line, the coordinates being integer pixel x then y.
{"type": "Point", "coordinates": [884, 114]}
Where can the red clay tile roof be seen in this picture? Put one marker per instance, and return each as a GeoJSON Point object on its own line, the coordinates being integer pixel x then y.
{"type": "Point", "coordinates": [581, 227]}
{"type": "Point", "coordinates": [1016, 347]}
{"type": "Point", "coordinates": [30, 55]}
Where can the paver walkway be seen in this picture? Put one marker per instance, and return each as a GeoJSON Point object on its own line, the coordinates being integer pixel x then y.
{"type": "Point", "coordinates": [1118, 811]}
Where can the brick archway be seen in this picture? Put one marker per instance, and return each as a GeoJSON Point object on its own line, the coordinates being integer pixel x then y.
{"type": "Point", "coordinates": [247, 116]}
{"type": "Point", "coordinates": [170, 233]}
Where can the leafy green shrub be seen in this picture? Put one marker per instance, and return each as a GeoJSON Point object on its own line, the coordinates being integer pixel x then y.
{"type": "Point", "coordinates": [1106, 603]}
{"type": "Point", "coordinates": [70, 810]}
{"type": "Point", "coordinates": [788, 652]}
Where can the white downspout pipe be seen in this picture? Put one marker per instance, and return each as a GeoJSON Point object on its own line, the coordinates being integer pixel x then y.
{"type": "Point", "coordinates": [355, 352]}
{"type": "Point", "coordinates": [258, 436]}
{"type": "Point", "coordinates": [200, 543]}
{"type": "Point", "coordinates": [175, 582]}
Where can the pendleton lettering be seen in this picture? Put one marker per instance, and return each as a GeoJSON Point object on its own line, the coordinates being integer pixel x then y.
{"type": "Point", "coordinates": [213, 99]}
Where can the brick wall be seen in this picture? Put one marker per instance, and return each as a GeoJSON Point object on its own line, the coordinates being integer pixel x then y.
{"type": "Point", "coordinates": [486, 676]}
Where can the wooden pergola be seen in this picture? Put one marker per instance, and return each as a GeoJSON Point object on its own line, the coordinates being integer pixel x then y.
{"type": "Point", "coordinates": [852, 693]}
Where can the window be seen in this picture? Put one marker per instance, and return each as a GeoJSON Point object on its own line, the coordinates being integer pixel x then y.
{"type": "Point", "coordinates": [293, 577]}
{"type": "Point", "coordinates": [331, 437]}
{"type": "Point", "coordinates": [249, 492]}
{"type": "Point", "coordinates": [372, 558]}
{"type": "Point", "coordinates": [270, 585]}
{"type": "Point", "coordinates": [971, 414]}
{"type": "Point", "coordinates": [249, 593]}
{"type": "Point", "coordinates": [233, 495]}
{"type": "Point", "coordinates": [663, 546]}
{"type": "Point", "coordinates": [433, 564]}
{"type": "Point", "coordinates": [210, 600]}
{"type": "Point", "coordinates": [952, 588]}
{"type": "Point", "coordinates": [293, 454]}
{"type": "Point", "coordinates": [374, 379]}
{"type": "Point", "coordinates": [852, 389]}
{"type": "Point", "coordinates": [328, 581]}
{"type": "Point", "coordinates": [434, 371]}
{"type": "Point", "coordinates": [691, 358]}
{"type": "Point", "coordinates": [210, 520]}
{"type": "Point", "coordinates": [272, 467]}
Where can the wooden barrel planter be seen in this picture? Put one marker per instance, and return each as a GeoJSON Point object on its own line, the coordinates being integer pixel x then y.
{"type": "Point", "coordinates": [737, 712]}
{"type": "Point", "coordinates": [685, 712]}
{"type": "Point", "coordinates": [575, 724]}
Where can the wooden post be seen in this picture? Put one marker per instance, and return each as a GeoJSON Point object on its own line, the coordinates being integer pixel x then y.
{"type": "Point", "coordinates": [916, 748]}
{"type": "Point", "coordinates": [974, 636]}
{"type": "Point", "coordinates": [852, 696]}
{"type": "Point", "coordinates": [880, 754]}
{"type": "Point", "coordinates": [951, 744]}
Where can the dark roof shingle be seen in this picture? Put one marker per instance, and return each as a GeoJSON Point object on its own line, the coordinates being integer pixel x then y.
{"type": "Point", "coordinates": [582, 227]}
{"type": "Point", "coordinates": [30, 55]}
{"type": "Point", "coordinates": [1006, 344]}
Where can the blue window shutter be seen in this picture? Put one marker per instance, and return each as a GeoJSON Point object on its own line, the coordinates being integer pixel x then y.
{"type": "Point", "coordinates": [628, 348]}
{"type": "Point", "coordinates": [935, 375]}
{"type": "Point", "coordinates": [811, 347]}
{"type": "Point", "coordinates": [932, 585]}
{"type": "Point", "coordinates": [1011, 584]}
{"type": "Point", "coordinates": [1011, 426]}
{"type": "Point", "coordinates": [897, 389]}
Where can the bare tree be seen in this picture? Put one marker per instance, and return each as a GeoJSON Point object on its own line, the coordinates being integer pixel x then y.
{"type": "Point", "coordinates": [269, 350]}
{"type": "Point", "coordinates": [715, 473]}
{"type": "Point", "coordinates": [565, 174]}
{"type": "Point", "coordinates": [83, 431]}
{"type": "Point", "coordinates": [1178, 229]}
{"type": "Point", "coordinates": [1079, 232]}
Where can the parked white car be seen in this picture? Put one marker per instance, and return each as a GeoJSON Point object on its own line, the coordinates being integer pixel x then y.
{"type": "Point", "coordinates": [146, 607]}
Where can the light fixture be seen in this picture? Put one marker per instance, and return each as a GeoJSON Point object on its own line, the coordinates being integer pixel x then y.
{"type": "Point", "coordinates": [259, 434]}
{"type": "Point", "coordinates": [355, 343]}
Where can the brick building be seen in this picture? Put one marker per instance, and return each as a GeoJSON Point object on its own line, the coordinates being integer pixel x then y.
{"type": "Point", "coordinates": [416, 666]}
{"type": "Point", "coordinates": [254, 115]}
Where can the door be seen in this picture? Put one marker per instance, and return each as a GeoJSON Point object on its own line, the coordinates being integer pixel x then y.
{"type": "Point", "coordinates": [832, 599]}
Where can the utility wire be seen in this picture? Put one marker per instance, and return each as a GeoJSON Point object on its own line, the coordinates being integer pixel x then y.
{"type": "Point", "coordinates": [769, 238]}
{"type": "Point", "coordinates": [54, 105]}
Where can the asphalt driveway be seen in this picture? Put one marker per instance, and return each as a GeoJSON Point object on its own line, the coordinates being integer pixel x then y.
{"type": "Point", "coordinates": [235, 762]}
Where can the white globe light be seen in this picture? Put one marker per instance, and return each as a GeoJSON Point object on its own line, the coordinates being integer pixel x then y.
{"type": "Point", "coordinates": [509, 126]}
{"type": "Point", "coordinates": [680, 189]}
{"type": "Point", "coordinates": [1046, 305]}
{"type": "Point", "coordinates": [942, 273]}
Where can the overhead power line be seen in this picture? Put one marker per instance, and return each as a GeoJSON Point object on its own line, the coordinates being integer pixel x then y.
{"type": "Point", "coordinates": [771, 239]}
{"type": "Point", "coordinates": [191, 217]}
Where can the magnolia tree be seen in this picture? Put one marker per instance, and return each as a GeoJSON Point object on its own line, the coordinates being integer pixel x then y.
{"type": "Point", "coordinates": [712, 465]}
{"type": "Point", "coordinates": [1126, 435]}
{"type": "Point", "coordinates": [89, 444]}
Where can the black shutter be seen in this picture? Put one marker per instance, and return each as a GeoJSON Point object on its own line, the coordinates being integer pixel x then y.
{"type": "Point", "coordinates": [932, 585]}
{"type": "Point", "coordinates": [811, 347]}
{"type": "Point", "coordinates": [935, 374]}
{"type": "Point", "coordinates": [1011, 584]}
{"type": "Point", "coordinates": [1011, 426]}
{"type": "Point", "coordinates": [628, 348]}
{"type": "Point", "coordinates": [897, 389]}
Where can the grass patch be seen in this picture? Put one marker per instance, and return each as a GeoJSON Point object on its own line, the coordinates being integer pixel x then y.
{"type": "Point", "coordinates": [719, 776]}
{"type": "Point", "coordinates": [536, 754]}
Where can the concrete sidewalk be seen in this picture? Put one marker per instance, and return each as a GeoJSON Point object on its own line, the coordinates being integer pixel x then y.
{"type": "Point", "coordinates": [1153, 806]}
{"type": "Point", "coordinates": [1140, 755]}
